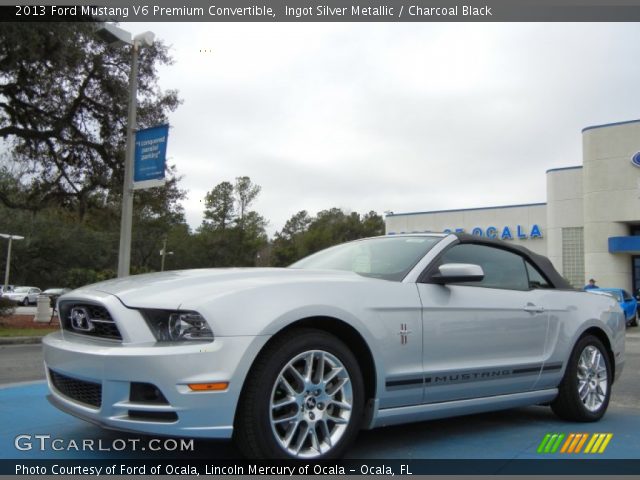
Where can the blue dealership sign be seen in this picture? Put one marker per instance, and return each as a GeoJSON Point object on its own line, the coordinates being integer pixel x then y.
{"type": "Point", "coordinates": [635, 159]}
{"type": "Point", "coordinates": [150, 156]}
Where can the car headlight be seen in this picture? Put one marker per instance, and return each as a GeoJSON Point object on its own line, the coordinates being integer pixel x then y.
{"type": "Point", "coordinates": [178, 326]}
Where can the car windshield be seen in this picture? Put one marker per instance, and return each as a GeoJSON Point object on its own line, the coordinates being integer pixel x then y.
{"type": "Point", "coordinates": [389, 258]}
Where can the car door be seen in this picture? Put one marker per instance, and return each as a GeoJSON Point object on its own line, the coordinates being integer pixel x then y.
{"type": "Point", "coordinates": [483, 338]}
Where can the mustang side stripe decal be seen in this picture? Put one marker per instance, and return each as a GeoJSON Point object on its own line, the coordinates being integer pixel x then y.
{"type": "Point", "coordinates": [435, 379]}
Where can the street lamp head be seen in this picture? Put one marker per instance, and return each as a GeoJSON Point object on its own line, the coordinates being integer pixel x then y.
{"type": "Point", "coordinates": [113, 35]}
{"type": "Point", "coordinates": [12, 237]}
{"type": "Point", "coordinates": [145, 39]}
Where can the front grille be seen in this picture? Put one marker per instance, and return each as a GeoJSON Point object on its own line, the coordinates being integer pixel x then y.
{"type": "Point", "coordinates": [88, 393]}
{"type": "Point", "coordinates": [100, 322]}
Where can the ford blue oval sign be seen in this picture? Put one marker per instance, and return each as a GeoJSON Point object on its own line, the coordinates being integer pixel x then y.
{"type": "Point", "coordinates": [636, 159]}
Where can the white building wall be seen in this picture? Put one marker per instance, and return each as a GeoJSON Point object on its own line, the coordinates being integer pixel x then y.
{"type": "Point", "coordinates": [611, 192]}
{"type": "Point", "coordinates": [564, 208]}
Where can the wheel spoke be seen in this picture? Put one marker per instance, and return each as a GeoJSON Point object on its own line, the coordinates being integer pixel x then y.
{"type": "Point", "coordinates": [583, 391]}
{"type": "Point", "coordinates": [308, 367]}
{"type": "Point", "coordinates": [296, 373]}
{"type": "Point", "coordinates": [338, 386]}
{"type": "Point", "coordinates": [341, 405]}
{"type": "Point", "coordinates": [315, 443]}
{"type": "Point", "coordinates": [338, 420]}
{"type": "Point", "coordinates": [290, 434]}
{"type": "Point", "coordinates": [285, 419]}
{"type": "Point", "coordinates": [285, 401]}
{"type": "Point", "coordinates": [302, 438]}
{"type": "Point", "coordinates": [322, 425]}
{"type": "Point", "coordinates": [284, 382]}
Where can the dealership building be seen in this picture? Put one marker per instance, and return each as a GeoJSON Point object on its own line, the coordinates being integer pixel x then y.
{"type": "Point", "coordinates": [590, 225]}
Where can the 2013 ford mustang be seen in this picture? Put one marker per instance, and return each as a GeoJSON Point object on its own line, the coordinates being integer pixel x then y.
{"type": "Point", "coordinates": [293, 362]}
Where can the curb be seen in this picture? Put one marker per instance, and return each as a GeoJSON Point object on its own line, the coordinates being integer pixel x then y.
{"type": "Point", "coordinates": [19, 340]}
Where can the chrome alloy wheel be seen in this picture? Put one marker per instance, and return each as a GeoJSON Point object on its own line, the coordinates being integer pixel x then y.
{"type": "Point", "coordinates": [592, 378]}
{"type": "Point", "coordinates": [311, 404]}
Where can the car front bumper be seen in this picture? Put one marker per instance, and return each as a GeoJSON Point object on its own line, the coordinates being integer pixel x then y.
{"type": "Point", "coordinates": [109, 369]}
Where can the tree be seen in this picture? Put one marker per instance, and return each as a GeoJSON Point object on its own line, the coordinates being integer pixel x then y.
{"type": "Point", "coordinates": [246, 192]}
{"type": "Point", "coordinates": [232, 234]}
{"type": "Point", "coordinates": [302, 235]}
{"type": "Point", "coordinates": [288, 243]}
{"type": "Point", "coordinates": [219, 209]}
{"type": "Point", "coordinates": [63, 111]}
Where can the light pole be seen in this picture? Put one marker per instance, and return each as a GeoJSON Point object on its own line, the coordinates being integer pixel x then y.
{"type": "Point", "coordinates": [7, 270]}
{"type": "Point", "coordinates": [164, 253]}
{"type": "Point", "coordinates": [115, 35]}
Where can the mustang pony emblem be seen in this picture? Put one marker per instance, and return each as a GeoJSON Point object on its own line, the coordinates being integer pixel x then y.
{"type": "Point", "coordinates": [404, 332]}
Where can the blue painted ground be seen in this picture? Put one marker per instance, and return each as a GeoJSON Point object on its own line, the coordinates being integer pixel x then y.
{"type": "Point", "coordinates": [507, 435]}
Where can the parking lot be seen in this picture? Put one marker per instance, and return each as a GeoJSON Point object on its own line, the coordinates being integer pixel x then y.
{"type": "Point", "coordinates": [503, 436]}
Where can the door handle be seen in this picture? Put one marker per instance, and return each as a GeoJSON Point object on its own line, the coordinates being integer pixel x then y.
{"type": "Point", "coordinates": [533, 308]}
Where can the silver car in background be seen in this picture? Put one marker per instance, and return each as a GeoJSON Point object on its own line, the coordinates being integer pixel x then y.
{"type": "Point", "coordinates": [293, 362]}
{"type": "Point", "coordinates": [23, 295]}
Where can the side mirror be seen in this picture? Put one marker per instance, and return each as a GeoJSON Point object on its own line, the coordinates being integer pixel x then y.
{"type": "Point", "coordinates": [457, 272]}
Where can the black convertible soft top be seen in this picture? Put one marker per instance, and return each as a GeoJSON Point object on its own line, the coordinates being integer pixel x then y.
{"type": "Point", "coordinates": [540, 261]}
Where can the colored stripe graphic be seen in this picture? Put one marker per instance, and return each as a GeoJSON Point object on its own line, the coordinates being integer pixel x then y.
{"type": "Point", "coordinates": [550, 443]}
{"type": "Point", "coordinates": [574, 443]}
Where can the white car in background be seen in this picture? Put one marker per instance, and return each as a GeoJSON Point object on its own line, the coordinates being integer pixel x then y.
{"type": "Point", "coordinates": [293, 362]}
{"type": "Point", "coordinates": [23, 295]}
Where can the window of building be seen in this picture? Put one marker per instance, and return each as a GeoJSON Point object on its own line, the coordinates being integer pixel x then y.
{"type": "Point", "coordinates": [573, 255]}
{"type": "Point", "coordinates": [502, 269]}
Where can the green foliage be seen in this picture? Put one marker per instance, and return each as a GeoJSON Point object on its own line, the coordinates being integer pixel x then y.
{"type": "Point", "coordinates": [231, 235]}
{"type": "Point", "coordinates": [302, 235]}
{"type": "Point", "coordinates": [7, 307]}
{"type": "Point", "coordinates": [63, 111]}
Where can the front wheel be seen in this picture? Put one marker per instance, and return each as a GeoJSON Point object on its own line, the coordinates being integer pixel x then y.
{"type": "Point", "coordinates": [303, 400]}
{"type": "Point", "coordinates": [585, 390]}
{"type": "Point", "coordinates": [25, 301]}
{"type": "Point", "coordinates": [634, 320]}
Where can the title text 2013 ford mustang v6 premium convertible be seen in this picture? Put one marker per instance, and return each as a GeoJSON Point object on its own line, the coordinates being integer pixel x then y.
{"type": "Point", "coordinates": [292, 362]}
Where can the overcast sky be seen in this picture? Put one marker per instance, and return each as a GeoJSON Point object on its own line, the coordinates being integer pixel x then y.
{"type": "Point", "coordinates": [400, 117]}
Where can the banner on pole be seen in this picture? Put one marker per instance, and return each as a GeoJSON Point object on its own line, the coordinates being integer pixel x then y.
{"type": "Point", "coordinates": [150, 157]}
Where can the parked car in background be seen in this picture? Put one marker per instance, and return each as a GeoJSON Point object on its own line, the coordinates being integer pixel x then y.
{"type": "Point", "coordinates": [628, 304]}
{"type": "Point", "coordinates": [54, 293]}
{"type": "Point", "coordinates": [293, 362]}
{"type": "Point", "coordinates": [23, 295]}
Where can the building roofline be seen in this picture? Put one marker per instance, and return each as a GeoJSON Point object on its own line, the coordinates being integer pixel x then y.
{"type": "Point", "coordinates": [615, 124]}
{"type": "Point", "coordinates": [466, 209]}
{"type": "Point", "coordinates": [559, 169]}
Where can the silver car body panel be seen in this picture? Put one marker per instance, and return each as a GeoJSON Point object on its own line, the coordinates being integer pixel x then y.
{"type": "Point", "coordinates": [437, 350]}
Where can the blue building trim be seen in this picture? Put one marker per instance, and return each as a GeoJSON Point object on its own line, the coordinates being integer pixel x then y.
{"type": "Point", "coordinates": [560, 169]}
{"type": "Point", "coordinates": [629, 244]}
{"type": "Point", "coordinates": [466, 209]}
{"type": "Point", "coordinates": [593, 127]}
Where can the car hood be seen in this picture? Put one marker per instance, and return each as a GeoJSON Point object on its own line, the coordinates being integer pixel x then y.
{"type": "Point", "coordinates": [175, 288]}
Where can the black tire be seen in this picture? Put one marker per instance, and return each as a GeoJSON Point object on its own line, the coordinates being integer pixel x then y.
{"type": "Point", "coordinates": [25, 301]}
{"type": "Point", "coordinates": [568, 404]}
{"type": "Point", "coordinates": [259, 435]}
{"type": "Point", "coordinates": [634, 321]}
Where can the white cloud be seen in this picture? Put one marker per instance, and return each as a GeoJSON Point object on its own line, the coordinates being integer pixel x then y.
{"type": "Point", "coordinates": [402, 117]}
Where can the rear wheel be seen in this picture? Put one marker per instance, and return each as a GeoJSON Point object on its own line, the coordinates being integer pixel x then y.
{"type": "Point", "coordinates": [634, 320]}
{"type": "Point", "coordinates": [303, 400]}
{"type": "Point", "coordinates": [25, 301]}
{"type": "Point", "coordinates": [585, 391]}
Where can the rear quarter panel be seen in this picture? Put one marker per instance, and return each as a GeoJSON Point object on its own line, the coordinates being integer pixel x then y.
{"type": "Point", "coordinates": [572, 313]}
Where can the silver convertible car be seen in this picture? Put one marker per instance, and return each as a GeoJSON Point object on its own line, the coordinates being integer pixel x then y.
{"type": "Point", "coordinates": [293, 362]}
